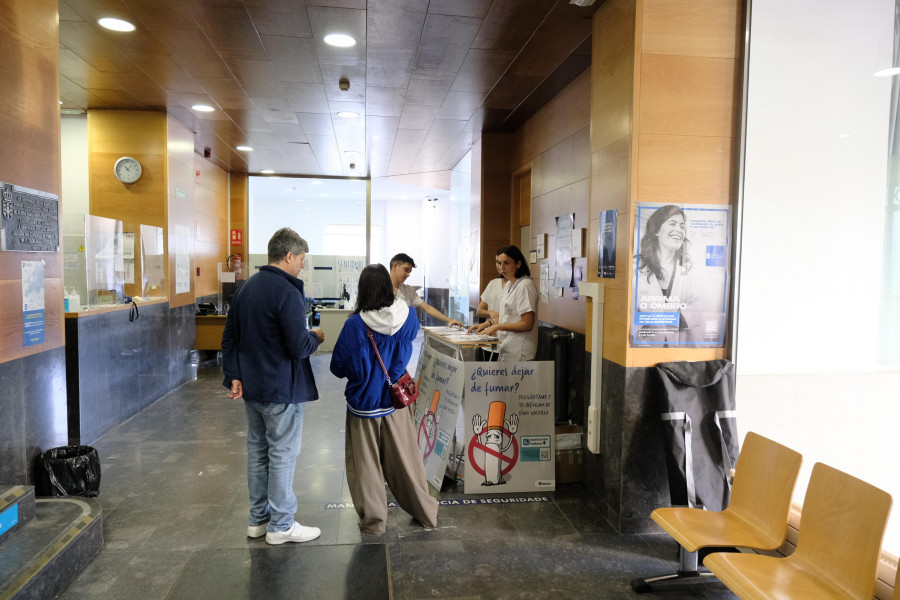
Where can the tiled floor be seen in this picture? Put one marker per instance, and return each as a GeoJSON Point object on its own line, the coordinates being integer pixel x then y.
{"type": "Point", "coordinates": [174, 498]}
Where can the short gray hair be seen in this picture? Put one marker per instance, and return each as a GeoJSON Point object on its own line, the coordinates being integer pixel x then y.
{"type": "Point", "coordinates": [283, 241]}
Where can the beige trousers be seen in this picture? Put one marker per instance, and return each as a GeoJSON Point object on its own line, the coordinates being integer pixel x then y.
{"type": "Point", "coordinates": [385, 449]}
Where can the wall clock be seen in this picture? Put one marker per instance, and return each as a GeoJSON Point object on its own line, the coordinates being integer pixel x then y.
{"type": "Point", "coordinates": [127, 169]}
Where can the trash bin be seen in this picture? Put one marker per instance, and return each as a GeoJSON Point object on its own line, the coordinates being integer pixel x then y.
{"type": "Point", "coordinates": [69, 471]}
{"type": "Point", "coordinates": [700, 424]}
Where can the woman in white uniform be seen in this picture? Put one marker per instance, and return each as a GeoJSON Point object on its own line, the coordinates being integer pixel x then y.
{"type": "Point", "coordinates": [489, 308]}
{"type": "Point", "coordinates": [517, 324]}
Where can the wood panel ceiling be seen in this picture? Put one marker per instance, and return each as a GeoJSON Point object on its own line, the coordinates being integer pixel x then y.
{"type": "Point", "coordinates": [426, 77]}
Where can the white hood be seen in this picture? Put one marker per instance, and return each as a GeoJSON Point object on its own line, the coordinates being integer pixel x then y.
{"type": "Point", "coordinates": [388, 320]}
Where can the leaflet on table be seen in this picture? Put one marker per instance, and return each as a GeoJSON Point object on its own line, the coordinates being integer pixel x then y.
{"type": "Point", "coordinates": [455, 334]}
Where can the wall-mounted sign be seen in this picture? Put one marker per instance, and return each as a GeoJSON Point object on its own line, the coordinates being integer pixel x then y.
{"type": "Point", "coordinates": [237, 237]}
{"type": "Point", "coordinates": [682, 253]}
{"type": "Point", "coordinates": [30, 219]}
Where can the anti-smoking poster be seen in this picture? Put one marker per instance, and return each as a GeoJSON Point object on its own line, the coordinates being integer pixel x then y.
{"type": "Point", "coordinates": [509, 427]}
{"type": "Point", "coordinates": [682, 253]}
{"type": "Point", "coordinates": [440, 381]}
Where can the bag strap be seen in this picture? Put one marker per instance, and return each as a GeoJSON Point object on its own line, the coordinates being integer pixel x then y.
{"type": "Point", "coordinates": [378, 354]}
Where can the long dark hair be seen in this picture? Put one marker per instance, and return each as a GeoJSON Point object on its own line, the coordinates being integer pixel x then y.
{"type": "Point", "coordinates": [375, 289]}
{"type": "Point", "coordinates": [514, 253]}
{"type": "Point", "coordinates": [648, 259]}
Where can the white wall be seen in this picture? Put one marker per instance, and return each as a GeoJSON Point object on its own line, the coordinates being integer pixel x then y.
{"type": "Point", "coordinates": [75, 186]}
{"type": "Point", "coordinates": [814, 194]}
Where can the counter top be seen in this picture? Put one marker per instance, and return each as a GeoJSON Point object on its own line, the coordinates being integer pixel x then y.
{"type": "Point", "coordinates": [98, 310]}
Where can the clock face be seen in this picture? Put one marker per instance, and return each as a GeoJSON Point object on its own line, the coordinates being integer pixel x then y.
{"type": "Point", "coordinates": [127, 169]}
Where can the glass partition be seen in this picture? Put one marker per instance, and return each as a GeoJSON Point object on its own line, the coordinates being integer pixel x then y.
{"type": "Point", "coordinates": [153, 263]}
{"type": "Point", "coordinates": [104, 261]}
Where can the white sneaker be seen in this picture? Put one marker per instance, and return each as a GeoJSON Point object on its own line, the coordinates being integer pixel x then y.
{"type": "Point", "coordinates": [256, 531]}
{"type": "Point", "coordinates": [296, 533]}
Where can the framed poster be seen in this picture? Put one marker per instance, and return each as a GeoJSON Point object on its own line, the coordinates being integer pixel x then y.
{"type": "Point", "coordinates": [682, 255]}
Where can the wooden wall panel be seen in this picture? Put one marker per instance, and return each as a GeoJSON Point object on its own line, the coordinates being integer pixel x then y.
{"type": "Point", "coordinates": [29, 156]}
{"type": "Point", "coordinates": [559, 119]}
{"type": "Point", "coordinates": [141, 135]}
{"type": "Point", "coordinates": [612, 72]}
{"type": "Point", "coordinates": [496, 200]}
{"type": "Point", "coordinates": [688, 95]}
{"type": "Point", "coordinates": [691, 28]}
{"type": "Point", "coordinates": [681, 169]}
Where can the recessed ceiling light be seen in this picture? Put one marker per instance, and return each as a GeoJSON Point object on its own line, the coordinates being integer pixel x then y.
{"type": "Point", "coordinates": [888, 72]}
{"type": "Point", "coordinates": [203, 108]}
{"type": "Point", "coordinates": [340, 40]}
{"type": "Point", "coordinates": [317, 182]}
{"type": "Point", "coordinates": [267, 171]}
{"type": "Point", "coordinates": [244, 148]}
{"type": "Point", "coordinates": [115, 24]}
{"type": "Point", "coordinates": [347, 114]}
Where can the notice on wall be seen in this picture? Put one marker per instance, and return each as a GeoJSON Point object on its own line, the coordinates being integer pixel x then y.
{"type": "Point", "coordinates": [564, 228]}
{"type": "Point", "coordinates": [544, 288]}
{"type": "Point", "coordinates": [182, 260]}
{"type": "Point", "coordinates": [33, 321]}
{"type": "Point", "coordinates": [681, 275]}
{"type": "Point", "coordinates": [509, 424]}
{"type": "Point", "coordinates": [29, 219]}
{"type": "Point", "coordinates": [440, 381]}
{"type": "Point", "coordinates": [606, 245]}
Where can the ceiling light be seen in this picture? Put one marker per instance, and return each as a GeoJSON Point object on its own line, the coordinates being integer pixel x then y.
{"type": "Point", "coordinates": [115, 24]}
{"type": "Point", "coordinates": [267, 171]}
{"type": "Point", "coordinates": [317, 182]}
{"type": "Point", "coordinates": [341, 40]}
{"type": "Point", "coordinates": [347, 114]}
{"type": "Point", "coordinates": [71, 111]}
{"type": "Point", "coordinates": [244, 148]}
{"type": "Point", "coordinates": [203, 108]}
{"type": "Point", "coordinates": [888, 72]}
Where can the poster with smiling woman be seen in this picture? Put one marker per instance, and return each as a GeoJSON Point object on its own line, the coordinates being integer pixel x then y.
{"type": "Point", "coordinates": [681, 261]}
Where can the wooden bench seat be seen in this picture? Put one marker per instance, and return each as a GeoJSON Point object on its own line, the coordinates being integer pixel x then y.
{"type": "Point", "coordinates": [756, 517]}
{"type": "Point", "coordinates": [841, 529]}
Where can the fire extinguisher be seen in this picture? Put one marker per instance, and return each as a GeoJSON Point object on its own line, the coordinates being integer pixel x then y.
{"type": "Point", "coordinates": [234, 263]}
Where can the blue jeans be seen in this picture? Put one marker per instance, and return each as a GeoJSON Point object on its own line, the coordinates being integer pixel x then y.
{"type": "Point", "coordinates": [273, 443]}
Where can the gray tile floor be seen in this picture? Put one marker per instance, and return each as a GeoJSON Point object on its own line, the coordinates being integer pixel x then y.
{"type": "Point", "coordinates": [174, 499]}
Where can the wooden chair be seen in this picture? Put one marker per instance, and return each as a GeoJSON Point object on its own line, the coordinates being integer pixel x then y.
{"type": "Point", "coordinates": [839, 542]}
{"type": "Point", "coordinates": [756, 517]}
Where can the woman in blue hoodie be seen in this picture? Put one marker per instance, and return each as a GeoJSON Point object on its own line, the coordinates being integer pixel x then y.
{"type": "Point", "coordinates": [380, 443]}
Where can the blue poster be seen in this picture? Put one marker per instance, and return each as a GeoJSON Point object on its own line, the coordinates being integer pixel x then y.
{"type": "Point", "coordinates": [606, 249]}
{"type": "Point", "coordinates": [682, 255]}
{"type": "Point", "coordinates": [32, 302]}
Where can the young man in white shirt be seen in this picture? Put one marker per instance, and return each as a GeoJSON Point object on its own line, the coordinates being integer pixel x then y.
{"type": "Point", "coordinates": [401, 267]}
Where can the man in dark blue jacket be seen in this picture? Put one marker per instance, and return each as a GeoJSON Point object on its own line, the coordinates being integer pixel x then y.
{"type": "Point", "coordinates": [265, 349]}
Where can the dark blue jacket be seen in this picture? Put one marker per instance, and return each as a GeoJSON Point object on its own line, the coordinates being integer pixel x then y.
{"type": "Point", "coordinates": [267, 343]}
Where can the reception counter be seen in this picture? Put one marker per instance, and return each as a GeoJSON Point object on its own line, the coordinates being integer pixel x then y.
{"type": "Point", "coordinates": [116, 367]}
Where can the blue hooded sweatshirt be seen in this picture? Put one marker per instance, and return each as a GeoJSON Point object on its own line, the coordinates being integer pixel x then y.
{"type": "Point", "coordinates": [394, 329]}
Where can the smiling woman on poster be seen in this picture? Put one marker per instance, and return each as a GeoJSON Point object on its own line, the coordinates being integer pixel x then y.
{"type": "Point", "coordinates": [664, 284]}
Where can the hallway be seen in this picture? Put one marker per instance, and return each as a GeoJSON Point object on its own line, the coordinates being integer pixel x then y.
{"type": "Point", "coordinates": [174, 499]}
